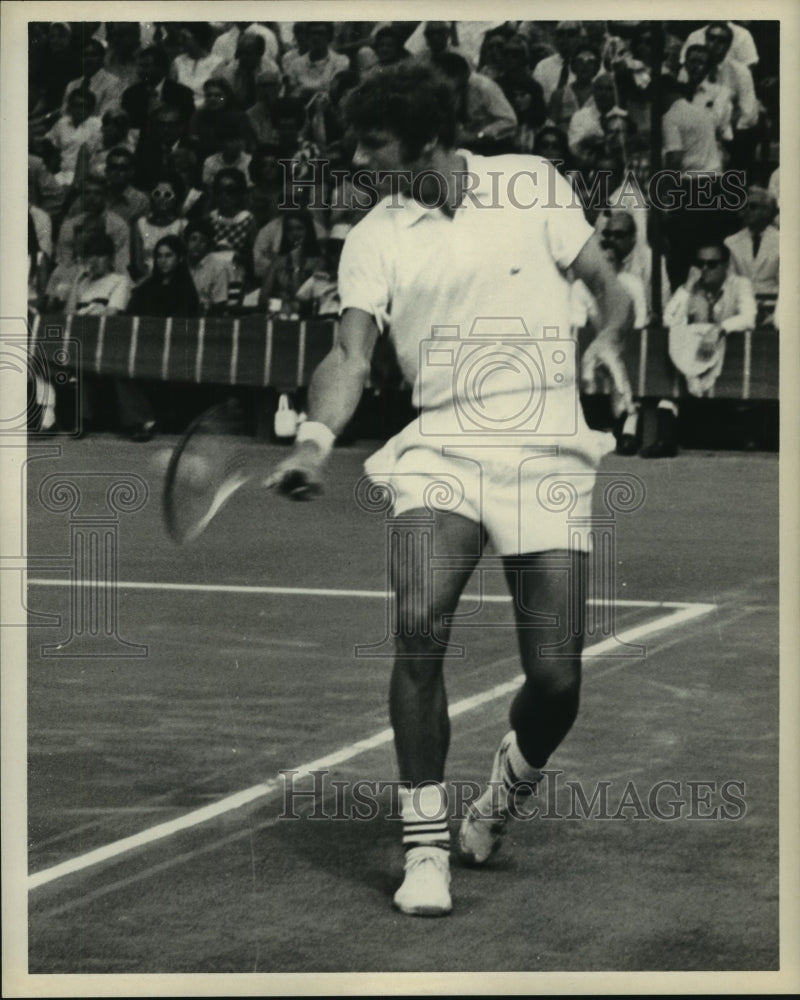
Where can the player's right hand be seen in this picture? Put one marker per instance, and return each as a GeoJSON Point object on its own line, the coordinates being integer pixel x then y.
{"type": "Point", "coordinates": [300, 475]}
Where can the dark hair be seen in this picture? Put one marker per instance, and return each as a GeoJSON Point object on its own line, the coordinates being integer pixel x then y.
{"type": "Point", "coordinates": [230, 174]}
{"type": "Point", "coordinates": [452, 65]}
{"type": "Point", "coordinates": [310, 241]}
{"type": "Point", "coordinates": [410, 100]}
{"type": "Point", "coordinates": [695, 48]}
{"type": "Point", "coordinates": [720, 26]}
{"type": "Point", "coordinates": [201, 30]}
{"type": "Point", "coordinates": [202, 226]}
{"type": "Point", "coordinates": [327, 25]}
{"type": "Point", "coordinates": [221, 84]}
{"type": "Point", "coordinates": [84, 94]}
{"type": "Point", "coordinates": [584, 47]}
{"type": "Point", "coordinates": [388, 29]}
{"type": "Point", "coordinates": [254, 37]}
{"type": "Point", "coordinates": [119, 151]}
{"type": "Point", "coordinates": [550, 130]}
{"type": "Point", "coordinates": [259, 155]}
{"type": "Point", "coordinates": [286, 106]}
{"type": "Point", "coordinates": [159, 56]}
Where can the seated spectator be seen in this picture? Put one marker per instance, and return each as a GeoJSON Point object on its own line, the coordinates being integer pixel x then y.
{"type": "Point", "coordinates": [232, 223]}
{"type": "Point", "coordinates": [195, 64]}
{"type": "Point", "coordinates": [721, 302]}
{"type": "Point", "coordinates": [327, 123]}
{"type": "Point", "coordinates": [774, 188]}
{"type": "Point", "coordinates": [269, 240]}
{"type": "Point", "coordinates": [618, 233]}
{"type": "Point", "coordinates": [388, 46]}
{"type": "Point", "coordinates": [522, 92]}
{"type": "Point", "coordinates": [319, 294]}
{"type": "Point", "coordinates": [437, 37]}
{"type": "Point", "coordinates": [155, 89]}
{"type": "Point", "coordinates": [486, 121]}
{"type": "Point", "coordinates": [217, 115]}
{"type": "Point", "coordinates": [106, 87]}
{"type": "Point", "coordinates": [98, 290]}
{"type": "Point", "coordinates": [210, 272]}
{"type": "Point", "coordinates": [114, 133]}
{"type": "Point", "coordinates": [297, 259]}
{"type": "Point", "coordinates": [265, 193]}
{"type": "Point", "coordinates": [169, 290]}
{"type": "Point", "coordinates": [226, 44]}
{"type": "Point", "coordinates": [60, 62]}
{"type": "Point", "coordinates": [742, 49]}
{"type": "Point", "coordinates": [162, 219]}
{"type": "Point", "coordinates": [165, 134]}
{"type": "Point", "coordinates": [261, 113]}
{"type": "Point", "coordinates": [296, 46]}
{"type": "Point", "coordinates": [310, 73]}
{"type": "Point", "coordinates": [566, 100]}
{"type": "Point", "coordinates": [493, 60]}
{"type": "Point", "coordinates": [554, 71]}
{"type": "Point", "coordinates": [586, 123]}
{"type": "Point", "coordinates": [124, 40]}
{"type": "Point", "coordinates": [128, 202]}
{"type": "Point", "coordinates": [242, 72]}
{"type": "Point", "coordinates": [77, 127]}
{"type": "Point", "coordinates": [231, 152]}
{"type": "Point", "coordinates": [63, 275]}
{"type": "Point", "coordinates": [95, 214]}
{"type": "Point", "coordinates": [184, 164]}
{"type": "Point", "coordinates": [44, 190]}
{"type": "Point", "coordinates": [755, 249]}
{"type": "Point", "coordinates": [551, 144]}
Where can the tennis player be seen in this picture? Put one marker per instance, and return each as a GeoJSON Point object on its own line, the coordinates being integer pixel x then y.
{"type": "Point", "coordinates": [465, 270]}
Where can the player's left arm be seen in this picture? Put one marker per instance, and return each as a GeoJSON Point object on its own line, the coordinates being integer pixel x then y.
{"type": "Point", "coordinates": [616, 318]}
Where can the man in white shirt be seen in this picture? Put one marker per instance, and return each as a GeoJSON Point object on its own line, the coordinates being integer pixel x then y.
{"type": "Point", "coordinates": [106, 87]}
{"type": "Point", "coordinates": [553, 71]}
{"type": "Point", "coordinates": [464, 238]}
{"type": "Point", "coordinates": [738, 79]}
{"type": "Point", "coordinates": [714, 97]}
{"type": "Point", "coordinates": [77, 127]}
{"type": "Point", "coordinates": [689, 134]}
{"type": "Point", "coordinates": [743, 48]}
{"type": "Point", "coordinates": [755, 249]}
{"type": "Point", "coordinates": [312, 73]}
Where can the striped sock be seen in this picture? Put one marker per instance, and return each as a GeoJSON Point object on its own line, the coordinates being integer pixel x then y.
{"type": "Point", "coordinates": [424, 813]}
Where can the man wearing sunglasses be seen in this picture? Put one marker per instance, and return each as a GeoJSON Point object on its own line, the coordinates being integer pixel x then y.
{"type": "Point", "coordinates": [702, 312]}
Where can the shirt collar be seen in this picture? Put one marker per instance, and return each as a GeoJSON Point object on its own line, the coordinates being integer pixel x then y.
{"type": "Point", "coordinates": [413, 210]}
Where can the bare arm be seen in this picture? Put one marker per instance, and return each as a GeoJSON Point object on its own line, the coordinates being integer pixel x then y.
{"type": "Point", "coordinates": [333, 395]}
{"type": "Point", "coordinates": [616, 317]}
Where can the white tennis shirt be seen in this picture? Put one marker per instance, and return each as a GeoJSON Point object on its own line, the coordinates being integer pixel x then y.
{"type": "Point", "coordinates": [499, 260]}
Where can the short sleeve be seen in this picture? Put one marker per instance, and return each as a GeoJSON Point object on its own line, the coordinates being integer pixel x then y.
{"type": "Point", "coordinates": [363, 282]}
{"type": "Point", "coordinates": [565, 224]}
{"type": "Point", "coordinates": [120, 294]}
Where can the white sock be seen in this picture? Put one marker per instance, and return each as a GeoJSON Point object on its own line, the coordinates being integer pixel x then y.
{"type": "Point", "coordinates": [424, 813]}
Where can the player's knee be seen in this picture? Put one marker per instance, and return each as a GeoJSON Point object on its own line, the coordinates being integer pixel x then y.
{"type": "Point", "coordinates": [556, 678]}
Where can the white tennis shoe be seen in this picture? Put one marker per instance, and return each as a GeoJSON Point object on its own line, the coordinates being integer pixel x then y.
{"type": "Point", "coordinates": [425, 891]}
{"type": "Point", "coordinates": [483, 828]}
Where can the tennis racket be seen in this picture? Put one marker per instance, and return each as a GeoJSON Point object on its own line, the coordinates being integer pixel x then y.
{"type": "Point", "coordinates": [210, 464]}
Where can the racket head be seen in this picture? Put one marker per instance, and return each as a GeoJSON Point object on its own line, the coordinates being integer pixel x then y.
{"type": "Point", "coordinates": [207, 467]}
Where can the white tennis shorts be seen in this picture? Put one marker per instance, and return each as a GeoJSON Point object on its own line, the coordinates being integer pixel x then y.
{"type": "Point", "coordinates": [531, 494]}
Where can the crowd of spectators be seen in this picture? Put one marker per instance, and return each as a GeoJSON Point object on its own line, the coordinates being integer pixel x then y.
{"type": "Point", "coordinates": [173, 167]}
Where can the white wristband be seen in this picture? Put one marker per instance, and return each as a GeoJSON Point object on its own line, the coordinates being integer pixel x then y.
{"type": "Point", "coordinates": [322, 436]}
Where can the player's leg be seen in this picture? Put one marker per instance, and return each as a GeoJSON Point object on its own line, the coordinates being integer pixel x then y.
{"type": "Point", "coordinates": [549, 599]}
{"type": "Point", "coordinates": [424, 595]}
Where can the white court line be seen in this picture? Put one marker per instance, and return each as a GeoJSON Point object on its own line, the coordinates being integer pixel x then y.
{"type": "Point", "coordinates": [684, 613]}
{"type": "Point", "coordinates": [235, 588]}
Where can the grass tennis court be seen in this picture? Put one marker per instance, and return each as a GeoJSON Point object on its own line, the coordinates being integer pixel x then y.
{"type": "Point", "coordinates": [170, 760]}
